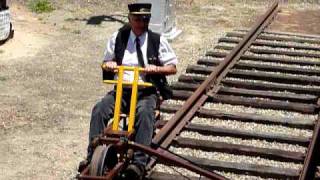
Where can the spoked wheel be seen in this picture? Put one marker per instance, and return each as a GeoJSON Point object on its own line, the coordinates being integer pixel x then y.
{"type": "Point", "coordinates": [104, 157]}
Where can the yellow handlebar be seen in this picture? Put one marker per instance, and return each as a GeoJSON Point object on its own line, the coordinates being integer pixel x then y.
{"type": "Point", "coordinates": [127, 83]}
{"type": "Point", "coordinates": [133, 103]}
{"type": "Point", "coordinates": [127, 68]}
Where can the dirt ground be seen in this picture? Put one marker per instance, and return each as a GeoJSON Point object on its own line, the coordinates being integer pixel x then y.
{"type": "Point", "coordinates": [305, 21]}
{"type": "Point", "coordinates": [50, 72]}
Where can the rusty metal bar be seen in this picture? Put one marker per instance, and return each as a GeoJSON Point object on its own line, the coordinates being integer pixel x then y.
{"type": "Point", "coordinates": [115, 171]}
{"type": "Point", "coordinates": [310, 164]}
{"type": "Point", "coordinates": [84, 172]}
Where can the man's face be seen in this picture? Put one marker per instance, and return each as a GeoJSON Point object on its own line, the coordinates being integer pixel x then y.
{"type": "Point", "coordinates": [139, 23]}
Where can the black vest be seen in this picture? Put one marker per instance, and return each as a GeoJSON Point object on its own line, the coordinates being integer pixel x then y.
{"type": "Point", "coordinates": [158, 80]}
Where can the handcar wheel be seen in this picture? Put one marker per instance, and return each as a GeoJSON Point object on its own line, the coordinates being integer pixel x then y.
{"type": "Point", "coordinates": [104, 157]}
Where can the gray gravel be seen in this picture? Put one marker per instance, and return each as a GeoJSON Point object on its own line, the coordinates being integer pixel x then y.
{"type": "Point", "coordinates": [280, 42]}
{"type": "Point", "coordinates": [211, 58]}
{"type": "Point", "coordinates": [282, 36]}
{"type": "Point", "coordinates": [196, 75]}
{"type": "Point", "coordinates": [283, 56]}
{"type": "Point", "coordinates": [287, 36]}
{"type": "Point", "coordinates": [290, 43]}
{"type": "Point", "coordinates": [174, 170]}
{"type": "Point", "coordinates": [247, 126]}
{"type": "Point", "coordinates": [257, 111]}
{"type": "Point", "coordinates": [252, 127]}
{"type": "Point", "coordinates": [285, 49]}
{"type": "Point", "coordinates": [166, 116]}
{"type": "Point", "coordinates": [187, 173]}
{"type": "Point", "coordinates": [233, 158]}
{"type": "Point", "coordinates": [242, 177]}
{"type": "Point", "coordinates": [173, 102]}
{"type": "Point", "coordinates": [281, 73]}
{"type": "Point", "coordinates": [248, 142]}
{"type": "Point", "coordinates": [246, 61]}
{"type": "Point", "coordinates": [267, 82]}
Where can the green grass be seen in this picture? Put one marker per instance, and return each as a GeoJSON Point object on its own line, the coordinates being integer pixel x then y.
{"type": "Point", "coordinates": [40, 6]}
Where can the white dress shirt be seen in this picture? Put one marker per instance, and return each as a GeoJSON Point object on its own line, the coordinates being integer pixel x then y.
{"type": "Point", "coordinates": [166, 54]}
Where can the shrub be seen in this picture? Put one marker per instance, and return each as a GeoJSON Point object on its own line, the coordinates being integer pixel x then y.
{"type": "Point", "coordinates": [40, 6]}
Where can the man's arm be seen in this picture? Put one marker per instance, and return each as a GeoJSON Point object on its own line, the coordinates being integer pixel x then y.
{"type": "Point", "coordinates": [165, 70]}
{"type": "Point", "coordinates": [167, 58]}
{"type": "Point", "coordinates": [108, 63]}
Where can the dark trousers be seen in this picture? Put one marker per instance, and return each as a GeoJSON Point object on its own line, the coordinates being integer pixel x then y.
{"type": "Point", "coordinates": [144, 121]}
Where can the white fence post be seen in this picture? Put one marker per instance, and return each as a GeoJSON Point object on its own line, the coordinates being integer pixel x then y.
{"type": "Point", "coordinates": [163, 17]}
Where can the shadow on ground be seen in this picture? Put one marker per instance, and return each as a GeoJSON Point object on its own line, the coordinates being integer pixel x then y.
{"type": "Point", "coordinates": [97, 20]}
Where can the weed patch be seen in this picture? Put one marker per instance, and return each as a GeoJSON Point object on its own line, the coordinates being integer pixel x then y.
{"type": "Point", "coordinates": [76, 32]}
{"type": "Point", "coordinates": [3, 78]}
{"type": "Point", "coordinates": [40, 6]}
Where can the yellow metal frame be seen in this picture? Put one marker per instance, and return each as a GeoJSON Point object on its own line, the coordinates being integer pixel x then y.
{"type": "Point", "coordinates": [134, 85]}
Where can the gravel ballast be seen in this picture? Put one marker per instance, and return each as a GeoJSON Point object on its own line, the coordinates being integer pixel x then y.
{"type": "Point", "coordinates": [233, 158]}
{"type": "Point", "coordinates": [257, 111]}
{"type": "Point", "coordinates": [249, 142]}
{"type": "Point", "coordinates": [252, 127]}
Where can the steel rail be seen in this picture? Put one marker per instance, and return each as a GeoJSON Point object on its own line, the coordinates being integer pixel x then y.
{"type": "Point", "coordinates": [310, 164]}
{"type": "Point", "coordinates": [198, 98]}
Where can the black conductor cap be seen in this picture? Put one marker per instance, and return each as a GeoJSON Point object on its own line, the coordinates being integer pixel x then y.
{"type": "Point", "coordinates": [140, 8]}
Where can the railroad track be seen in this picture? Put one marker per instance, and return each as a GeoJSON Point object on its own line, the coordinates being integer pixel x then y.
{"type": "Point", "coordinates": [249, 109]}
